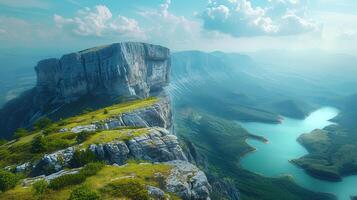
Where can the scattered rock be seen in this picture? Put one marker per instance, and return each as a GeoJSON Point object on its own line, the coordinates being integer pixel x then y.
{"type": "Point", "coordinates": [156, 146]}
{"type": "Point", "coordinates": [187, 181]}
{"type": "Point", "coordinates": [62, 130]}
{"type": "Point", "coordinates": [23, 167]}
{"type": "Point", "coordinates": [156, 193]}
{"type": "Point", "coordinates": [30, 181]}
{"type": "Point", "coordinates": [54, 162]}
{"type": "Point", "coordinates": [61, 173]}
{"type": "Point", "coordinates": [87, 128]}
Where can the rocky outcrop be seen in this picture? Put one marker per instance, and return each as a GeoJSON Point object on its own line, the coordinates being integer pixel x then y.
{"type": "Point", "coordinates": [157, 115]}
{"type": "Point", "coordinates": [184, 179]}
{"type": "Point", "coordinates": [158, 145]}
{"type": "Point", "coordinates": [114, 152]}
{"type": "Point", "coordinates": [187, 181]}
{"type": "Point", "coordinates": [54, 162]}
{"type": "Point", "coordinates": [121, 69]}
{"type": "Point", "coordinates": [156, 193]}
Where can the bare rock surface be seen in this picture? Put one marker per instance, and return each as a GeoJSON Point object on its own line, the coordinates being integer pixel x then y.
{"type": "Point", "coordinates": [120, 69]}
{"type": "Point", "coordinates": [187, 181]}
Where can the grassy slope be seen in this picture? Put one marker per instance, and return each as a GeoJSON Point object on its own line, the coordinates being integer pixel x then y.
{"type": "Point", "coordinates": [332, 152]}
{"type": "Point", "coordinates": [112, 111]}
{"type": "Point", "coordinates": [108, 174]}
{"type": "Point", "coordinates": [223, 143]}
{"type": "Point", "coordinates": [19, 151]}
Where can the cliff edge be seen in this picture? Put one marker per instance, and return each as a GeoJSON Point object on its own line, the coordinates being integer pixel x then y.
{"type": "Point", "coordinates": [94, 77]}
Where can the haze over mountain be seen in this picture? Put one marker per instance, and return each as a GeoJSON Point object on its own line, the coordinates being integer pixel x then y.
{"type": "Point", "coordinates": [178, 99]}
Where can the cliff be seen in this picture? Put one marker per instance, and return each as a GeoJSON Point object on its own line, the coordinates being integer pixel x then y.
{"type": "Point", "coordinates": [93, 77]}
{"type": "Point", "coordinates": [129, 142]}
{"type": "Point", "coordinates": [121, 69]}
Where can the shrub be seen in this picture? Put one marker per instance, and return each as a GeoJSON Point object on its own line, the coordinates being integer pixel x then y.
{"type": "Point", "coordinates": [42, 123]}
{"type": "Point", "coordinates": [8, 180]}
{"type": "Point", "coordinates": [105, 111]}
{"type": "Point", "coordinates": [83, 136]}
{"type": "Point", "coordinates": [130, 188]}
{"type": "Point", "coordinates": [84, 193]}
{"type": "Point", "coordinates": [91, 169]}
{"type": "Point", "coordinates": [55, 144]}
{"type": "Point", "coordinates": [66, 180]}
{"type": "Point", "coordinates": [21, 132]}
{"type": "Point", "coordinates": [49, 130]}
{"type": "Point", "coordinates": [39, 144]}
{"type": "Point", "coordinates": [82, 157]}
{"type": "Point", "coordinates": [39, 187]}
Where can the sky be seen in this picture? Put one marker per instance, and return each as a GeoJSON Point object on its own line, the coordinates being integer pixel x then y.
{"type": "Point", "coordinates": [58, 26]}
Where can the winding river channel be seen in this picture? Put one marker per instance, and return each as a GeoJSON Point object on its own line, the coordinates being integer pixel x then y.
{"type": "Point", "coordinates": [272, 158]}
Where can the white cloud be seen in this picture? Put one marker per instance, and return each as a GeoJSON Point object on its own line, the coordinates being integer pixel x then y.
{"type": "Point", "coordinates": [99, 22]}
{"type": "Point", "coordinates": [164, 27]}
{"type": "Point", "coordinates": [240, 18]}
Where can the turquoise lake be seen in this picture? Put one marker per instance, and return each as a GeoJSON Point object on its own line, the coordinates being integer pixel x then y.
{"type": "Point", "coordinates": [272, 158]}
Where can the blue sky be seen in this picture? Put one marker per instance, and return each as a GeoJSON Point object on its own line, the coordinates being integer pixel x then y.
{"type": "Point", "coordinates": [228, 25]}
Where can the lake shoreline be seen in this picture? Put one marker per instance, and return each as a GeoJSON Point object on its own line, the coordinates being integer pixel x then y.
{"type": "Point", "coordinates": [275, 159]}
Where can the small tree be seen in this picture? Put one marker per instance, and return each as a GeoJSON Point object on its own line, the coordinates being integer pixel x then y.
{"type": "Point", "coordinates": [106, 111]}
{"type": "Point", "coordinates": [42, 123]}
{"type": "Point", "coordinates": [39, 144]}
{"type": "Point", "coordinates": [21, 132]}
{"type": "Point", "coordinates": [8, 180]}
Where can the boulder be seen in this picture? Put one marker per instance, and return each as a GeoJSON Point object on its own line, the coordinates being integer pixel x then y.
{"type": "Point", "coordinates": [156, 193]}
{"type": "Point", "coordinates": [54, 162]}
{"type": "Point", "coordinates": [187, 181]}
{"type": "Point", "coordinates": [156, 146]}
{"type": "Point", "coordinates": [114, 152]}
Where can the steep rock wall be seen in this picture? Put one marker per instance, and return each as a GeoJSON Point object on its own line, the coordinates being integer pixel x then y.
{"type": "Point", "coordinates": [120, 69]}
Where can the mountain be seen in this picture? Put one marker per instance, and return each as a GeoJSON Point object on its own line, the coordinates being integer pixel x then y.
{"type": "Point", "coordinates": [123, 150]}
{"type": "Point", "coordinates": [292, 108]}
{"type": "Point", "coordinates": [210, 93]}
{"type": "Point", "coordinates": [348, 112]}
{"type": "Point", "coordinates": [103, 74]}
{"type": "Point", "coordinates": [233, 86]}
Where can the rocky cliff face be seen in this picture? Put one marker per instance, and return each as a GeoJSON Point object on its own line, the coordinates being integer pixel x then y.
{"type": "Point", "coordinates": [119, 132]}
{"type": "Point", "coordinates": [121, 69]}
{"type": "Point", "coordinates": [124, 70]}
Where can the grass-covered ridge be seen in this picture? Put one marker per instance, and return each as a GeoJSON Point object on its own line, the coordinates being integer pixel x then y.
{"type": "Point", "coordinates": [21, 150]}
{"type": "Point", "coordinates": [105, 113]}
{"type": "Point", "coordinates": [114, 135]}
{"type": "Point", "coordinates": [102, 183]}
